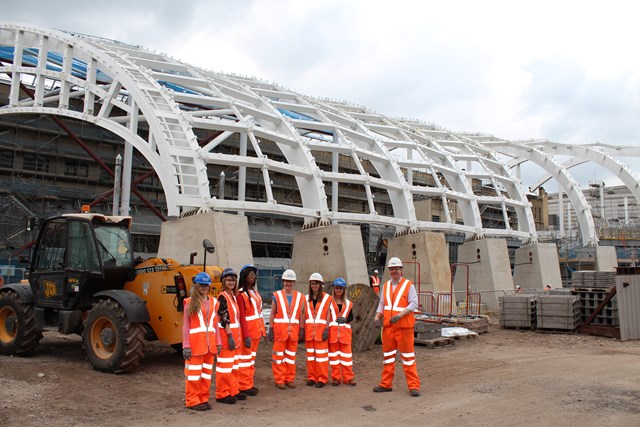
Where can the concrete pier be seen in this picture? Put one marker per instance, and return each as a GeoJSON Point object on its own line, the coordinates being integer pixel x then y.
{"type": "Point", "coordinates": [425, 257]}
{"type": "Point", "coordinates": [228, 233]}
{"type": "Point", "coordinates": [537, 265]}
{"type": "Point", "coordinates": [333, 251]}
{"type": "Point", "coordinates": [488, 264]}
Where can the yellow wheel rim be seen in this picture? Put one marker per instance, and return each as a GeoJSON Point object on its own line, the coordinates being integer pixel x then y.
{"type": "Point", "coordinates": [8, 325]}
{"type": "Point", "coordinates": [103, 338]}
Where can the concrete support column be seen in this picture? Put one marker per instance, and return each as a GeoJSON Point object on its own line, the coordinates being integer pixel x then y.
{"type": "Point", "coordinates": [333, 251]}
{"type": "Point", "coordinates": [537, 265]}
{"type": "Point", "coordinates": [425, 257]}
{"type": "Point", "coordinates": [488, 264]}
{"type": "Point", "coordinates": [180, 237]}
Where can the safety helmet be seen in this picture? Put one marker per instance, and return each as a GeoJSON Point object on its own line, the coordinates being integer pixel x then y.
{"type": "Point", "coordinates": [228, 272]}
{"type": "Point", "coordinates": [289, 274]}
{"type": "Point", "coordinates": [340, 283]}
{"type": "Point", "coordinates": [202, 279]}
{"type": "Point", "coordinates": [375, 271]}
{"type": "Point", "coordinates": [249, 267]}
{"type": "Point", "coordinates": [316, 276]}
{"type": "Point", "coordinates": [394, 262]}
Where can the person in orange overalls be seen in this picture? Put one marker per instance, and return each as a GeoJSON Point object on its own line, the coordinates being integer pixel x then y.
{"type": "Point", "coordinates": [340, 352]}
{"type": "Point", "coordinates": [398, 301]}
{"type": "Point", "coordinates": [252, 326]}
{"type": "Point", "coordinates": [227, 390]}
{"type": "Point", "coordinates": [200, 342]}
{"type": "Point", "coordinates": [285, 329]}
{"type": "Point", "coordinates": [374, 282]}
{"type": "Point", "coordinates": [317, 332]}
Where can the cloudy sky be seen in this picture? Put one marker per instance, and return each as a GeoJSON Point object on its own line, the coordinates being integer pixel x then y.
{"type": "Point", "coordinates": [567, 71]}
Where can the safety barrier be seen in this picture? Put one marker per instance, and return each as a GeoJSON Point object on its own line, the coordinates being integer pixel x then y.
{"type": "Point", "coordinates": [460, 303]}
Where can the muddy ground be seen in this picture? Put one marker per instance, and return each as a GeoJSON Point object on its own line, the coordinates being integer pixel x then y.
{"type": "Point", "coordinates": [501, 378]}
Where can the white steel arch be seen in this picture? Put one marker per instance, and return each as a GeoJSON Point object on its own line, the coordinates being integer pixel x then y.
{"type": "Point", "coordinates": [187, 122]}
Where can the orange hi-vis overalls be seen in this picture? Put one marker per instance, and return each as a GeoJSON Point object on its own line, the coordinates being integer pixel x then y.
{"type": "Point", "coordinates": [375, 284]}
{"type": "Point", "coordinates": [399, 336]}
{"type": "Point", "coordinates": [202, 340]}
{"type": "Point", "coordinates": [286, 330]}
{"type": "Point", "coordinates": [227, 364]}
{"type": "Point", "coordinates": [340, 353]}
{"type": "Point", "coordinates": [255, 330]}
{"type": "Point", "coordinates": [317, 350]}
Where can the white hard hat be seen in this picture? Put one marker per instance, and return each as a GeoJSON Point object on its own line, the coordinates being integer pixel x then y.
{"type": "Point", "coordinates": [394, 262]}
{"type": "Point", "coordinates": [316, 276]}
{"type": "Point", "coordinates": [289, 274]}
{"type": "Point", "coordinates": [375, 271]}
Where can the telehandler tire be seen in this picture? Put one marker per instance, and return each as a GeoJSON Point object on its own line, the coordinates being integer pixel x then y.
{"type": "Point", "coordinates": [18, 335]}
{"type": "Point", "coordinates": [112, 343]}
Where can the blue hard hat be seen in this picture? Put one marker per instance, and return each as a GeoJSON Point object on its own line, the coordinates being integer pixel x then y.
{"type": "Point", "coordinates": [339, 282]}
{"type": "Point", "coordinates": [228, 272]}
{"type": "Point", "coordinates": [202, 279]}
{"type": "Point", "coordinates": [250, 267]}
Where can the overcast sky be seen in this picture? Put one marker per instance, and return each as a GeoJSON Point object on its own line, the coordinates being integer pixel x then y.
{"type": "Point", "coordinates": [567, 71]}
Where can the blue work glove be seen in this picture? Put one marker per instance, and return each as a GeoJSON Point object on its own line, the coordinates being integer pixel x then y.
{"type": "Point", "coordinates": [232, 343]}
{"type": "Point", "coordinates": [247, 342]}
{"type": "Point", "coordinates": [325, 335]}
{"type": "Point", "coordinates": [341, 320]}
{"type": "Point", "coordinates": [377, 323]}
{"type": "Point", "coordinates": [395, 319]}
{"type": "Point", "coordinates": [270, 335]}
{"type": "Point", "coordinates": [219, 348]}
{"type": "Point", "coordinates": [186, 353]}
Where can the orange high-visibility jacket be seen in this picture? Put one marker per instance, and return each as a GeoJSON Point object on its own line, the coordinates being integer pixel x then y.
{"type": "Point", "coordinates": [253, 313]}
{"type": "Point", "coordinates": [286, 320]}
{"type": "Point", "coordinates": [395, 302]}
{"type": "Point", "coordinates": [339, 332]}
{"type": "Point", "coordinates": [316, 319]}
{"type": "Point", "coordinates": [234, 312]}
{"type": "Point", "coordinates": [202, 332]}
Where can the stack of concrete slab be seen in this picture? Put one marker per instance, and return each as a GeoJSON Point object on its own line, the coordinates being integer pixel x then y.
{"type": "Point", "coordinates": [558, 312]}
{"type": "Point", "coordinates": [593, 279]}
{"type": "Point", "coordinates": [517, 311]}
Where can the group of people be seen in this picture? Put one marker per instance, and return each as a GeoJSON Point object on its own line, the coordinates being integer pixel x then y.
{"type": "Point", "coordinates": [229, 328]}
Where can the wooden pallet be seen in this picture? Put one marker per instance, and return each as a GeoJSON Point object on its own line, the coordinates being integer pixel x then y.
{"type": "Point", "coordinates": [520, 328]}
{"type": "Point", "coordinates": [463, 337]}
{"type": "Point", "coordinates": [436, 342]}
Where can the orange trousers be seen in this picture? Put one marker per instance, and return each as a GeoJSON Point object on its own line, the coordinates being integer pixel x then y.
{"type": "Point", "coordinates": [396, 340]}
{"type": "Point", "coordinates": [227, 373]}
{"type": "Point", "coordinates": [341, 361]}
{"type": "Point", "coordinates": [283, 363]}
{"type": "Point", "coordinates": [197, 371]}
{"type": "Point", "coordinates": [317, 360]}
{"type": "Point", "coordinates": [247, 365]}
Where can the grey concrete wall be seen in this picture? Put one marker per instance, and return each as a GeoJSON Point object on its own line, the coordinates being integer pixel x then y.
{"type": "Point", "coordinates": [425, 257]}
{"type": "Point", "coordinates": [229, 234]}
{"type": "Point", "coordinates": [537, 265]}
{"type": "Point", "coordinates": [606, 258]}
{"type": "Point", "coordinates": [333, 251]}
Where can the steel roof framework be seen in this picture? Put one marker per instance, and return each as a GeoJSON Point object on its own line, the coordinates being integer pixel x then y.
{"type": "Point", "coordinates": [278, 132]}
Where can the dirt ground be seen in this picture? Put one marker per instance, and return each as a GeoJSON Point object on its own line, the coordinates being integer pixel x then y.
{"type": "Point", "coordinates": [501, 378]}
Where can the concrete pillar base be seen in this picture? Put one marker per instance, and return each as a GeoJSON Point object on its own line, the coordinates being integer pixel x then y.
{"type": "Point", "coordinates": [426, 260]}
{"type": "Point", "coordinates": [537, 265]}
{"type": "Point", "coordinates": [228, 233]}
{"type": "Point", "coordinates": [606, 258]}
{"type": "Point", "coordinates": [333, 251]}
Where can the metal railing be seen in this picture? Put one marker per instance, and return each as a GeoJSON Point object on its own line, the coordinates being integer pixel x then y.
{"type": "Point", "coordinates": [460, 303]}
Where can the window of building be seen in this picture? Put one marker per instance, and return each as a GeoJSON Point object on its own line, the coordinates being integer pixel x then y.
{"type": "Point", "coordinates": [6, 159]}
{"type": "Point", "coordinates": [76, 168]}
{"type": "Point", "coordinates": [33, 162]}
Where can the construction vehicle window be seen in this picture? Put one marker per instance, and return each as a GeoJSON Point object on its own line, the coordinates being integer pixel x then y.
{"type": "Point", "coordinates": [83, 254]}
{"type": "Point", "coordinates": [50, 254]}
{"type": "Point", "coordinates": [114, 244]}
